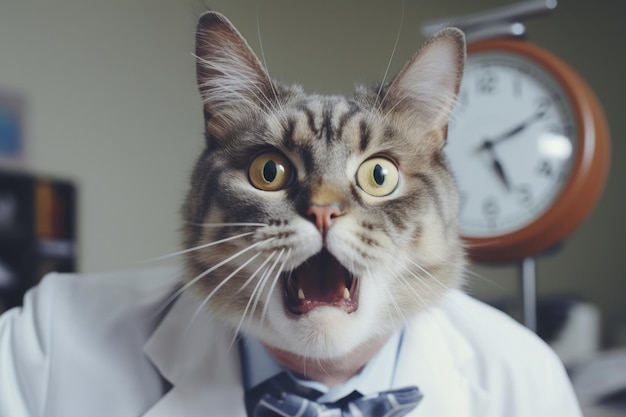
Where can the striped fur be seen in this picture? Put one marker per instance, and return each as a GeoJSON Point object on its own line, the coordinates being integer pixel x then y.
{"type": "Point", "coordinates": [404, 247]}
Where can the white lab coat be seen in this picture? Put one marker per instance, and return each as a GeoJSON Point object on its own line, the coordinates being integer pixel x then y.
{"type": "Point", "coordinates": [92, 346]}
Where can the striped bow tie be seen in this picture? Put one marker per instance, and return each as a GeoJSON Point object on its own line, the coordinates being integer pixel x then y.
{"type": "Point", "coordinates": [392, 403]}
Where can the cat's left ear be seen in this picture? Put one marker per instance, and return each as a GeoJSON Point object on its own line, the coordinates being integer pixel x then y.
{"type": "Point", "coordinates": [423, 94]}
{"type": "Point", "coordinates": [231, 79]}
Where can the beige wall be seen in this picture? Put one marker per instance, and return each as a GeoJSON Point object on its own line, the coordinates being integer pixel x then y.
{"type": "Point", "coordinates": [112, 104]}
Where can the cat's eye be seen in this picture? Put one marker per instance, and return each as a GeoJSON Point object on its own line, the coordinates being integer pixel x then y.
{"type": "Point", "coordinates": [378, 176]}
{"type": "Point", "coordinates": [270, 171]}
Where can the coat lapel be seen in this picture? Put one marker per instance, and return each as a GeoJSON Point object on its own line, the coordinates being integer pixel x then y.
{"type": "Point", "coordinates": [435, 357]}
{"type": "Point", "coordinates": [204, 368]}
{"type": "Point", "coordinates": [195, 355]}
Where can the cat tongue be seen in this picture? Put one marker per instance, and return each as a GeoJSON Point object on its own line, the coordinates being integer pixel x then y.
{"type": "Point", "coordinates": [320, 281]}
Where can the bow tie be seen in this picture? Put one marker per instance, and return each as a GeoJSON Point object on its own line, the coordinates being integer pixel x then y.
{"type": "Point", "coordinates": [282, 397]}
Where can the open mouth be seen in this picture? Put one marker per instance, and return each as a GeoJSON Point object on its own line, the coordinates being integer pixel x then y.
{"type": "Point", "coordinates": [320, 281]}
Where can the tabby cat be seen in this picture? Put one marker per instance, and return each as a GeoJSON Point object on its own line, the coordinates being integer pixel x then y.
{"type": "Point", "coordinates": [318, 224]}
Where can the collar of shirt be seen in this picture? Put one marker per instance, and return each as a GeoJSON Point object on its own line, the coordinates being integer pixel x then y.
{"type": "Point", "coordinates": [378, 374]}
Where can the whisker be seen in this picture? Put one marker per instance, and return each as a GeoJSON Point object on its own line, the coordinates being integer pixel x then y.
{"type": "Point", "coordinates": [258, 288]}
{"type": "Point", "coordinates": [276, 106]}
{"type": "Point", "coordinates": [258, 30]}
{"type": "Point", "coordinates": [217, 287]}
{"type": "Point", "coordinates": [245, 311]}
{"type": "Point", "coordinates": [379, 101]}
{"type": "Point", "coordinates": [428, 308]}
{"type": "Point", "coordinates": [228, 224]}
{"type": "Point", "coordinates": [393, 108]}
{"type": "Point", "coordinates": [390, 297]}
{"type": "Point", "coordinates": [492, 283]}
{"type": "Point", "coordinates": [426, 272]}
{"type": "Point", "coordinates": [228, 89]}
{"type": "Point", "coordinates": [256, 294]}
{"type": "Point", "coordinates": [205, 273]}
{"type": "Point", "coordinates": [203, 246]}
{"type": "Point", "coordinates": [264, 280]}
{"type": "Point", "coordinates": [424, 285]}
{"type": "Point", "coordinates": [245, 284]}
{"type": "Point", "coordinates": [274, 282]}
{"type": "Point", "coordinates": [408, 285]}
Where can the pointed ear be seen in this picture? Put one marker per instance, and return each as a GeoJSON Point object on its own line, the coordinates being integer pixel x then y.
{"type": "Point", "coordinates": [424, 93]}
{"type": "Point", "coordinates": [231, 79]}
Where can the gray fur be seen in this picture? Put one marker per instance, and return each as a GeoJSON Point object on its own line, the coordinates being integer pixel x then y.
{"type": "Point", "coordinates": [404, 247]}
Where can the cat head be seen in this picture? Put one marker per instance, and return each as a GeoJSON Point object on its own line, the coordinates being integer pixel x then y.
{"type": "Point", "coordinates": [321, 223]}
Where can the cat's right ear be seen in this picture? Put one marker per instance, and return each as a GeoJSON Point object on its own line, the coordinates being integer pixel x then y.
{"type": "Point", "coordinates": [231, 79]}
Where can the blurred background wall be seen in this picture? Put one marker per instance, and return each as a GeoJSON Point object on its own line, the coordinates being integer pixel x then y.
{"type": "Point", "coordinates": [111, 104]}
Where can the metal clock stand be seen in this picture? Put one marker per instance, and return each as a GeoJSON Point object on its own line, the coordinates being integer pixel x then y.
{"type": "Point", "coordinates": [528, 285]}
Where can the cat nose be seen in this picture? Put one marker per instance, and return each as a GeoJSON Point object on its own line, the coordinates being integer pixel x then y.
{"type": "Point", "coordinates": [323, 216]}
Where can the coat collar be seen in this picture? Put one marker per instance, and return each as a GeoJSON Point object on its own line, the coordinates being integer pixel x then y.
{"type": "Point", "coordinates": [197, 357]}
{"type": "Point", "coordinates": [438, 359]}
{"type": "Point", "coordinates": [203, 365]}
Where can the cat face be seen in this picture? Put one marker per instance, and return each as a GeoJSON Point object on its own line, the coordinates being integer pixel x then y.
{"type": "Point", "coordinates": [322, 222]}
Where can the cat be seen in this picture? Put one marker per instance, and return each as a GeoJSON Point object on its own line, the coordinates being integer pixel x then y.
{"type": "Point", "coordinates": [319, 224]}
{"type": "Point", "coordinates": [321, 245]}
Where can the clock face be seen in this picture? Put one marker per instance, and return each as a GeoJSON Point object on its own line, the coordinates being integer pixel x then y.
{"type": "Point", "coordinates": [511, 143]}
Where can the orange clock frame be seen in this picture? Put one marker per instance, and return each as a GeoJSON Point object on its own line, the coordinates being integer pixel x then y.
{"type": "Point", "coordinates": [588, 173]}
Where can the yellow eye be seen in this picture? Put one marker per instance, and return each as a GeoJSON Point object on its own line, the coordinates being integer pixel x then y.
{"type": "Point", "coordinates": [378, 176]}
{"type": "Point", "coordinates": [270, 171]}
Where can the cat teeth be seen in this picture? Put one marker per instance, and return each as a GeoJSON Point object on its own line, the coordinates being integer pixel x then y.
{"type": "Point", "coordinates": [345, 294]}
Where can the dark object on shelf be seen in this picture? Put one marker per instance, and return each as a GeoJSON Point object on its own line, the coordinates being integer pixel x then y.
{"type": "Point", "coordinates": [37, 231]}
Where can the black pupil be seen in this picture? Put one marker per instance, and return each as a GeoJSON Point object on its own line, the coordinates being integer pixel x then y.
{"type": "Point", "coordinates": [379, 174]}
{"type": "Point", "coordinates": [269, 171]}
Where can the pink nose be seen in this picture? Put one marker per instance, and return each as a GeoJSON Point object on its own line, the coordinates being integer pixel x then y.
{"type": "Point", "coordinates": [323, 216]}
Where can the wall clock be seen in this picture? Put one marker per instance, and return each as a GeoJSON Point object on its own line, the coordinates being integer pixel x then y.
{"type": "Point", "coordinates": [529, 145]}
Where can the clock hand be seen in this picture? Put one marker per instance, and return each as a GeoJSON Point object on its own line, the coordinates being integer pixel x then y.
{"type": "Point", "coordinates": [512, 132]}
{"type": "Point", "coordinates": [497, 165]}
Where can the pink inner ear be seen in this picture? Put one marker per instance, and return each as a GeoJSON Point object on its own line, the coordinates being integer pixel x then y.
{"type": "Point", "coordinates": [427, 86]}
{"type": "Point", "coordinates": [230, 77]}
